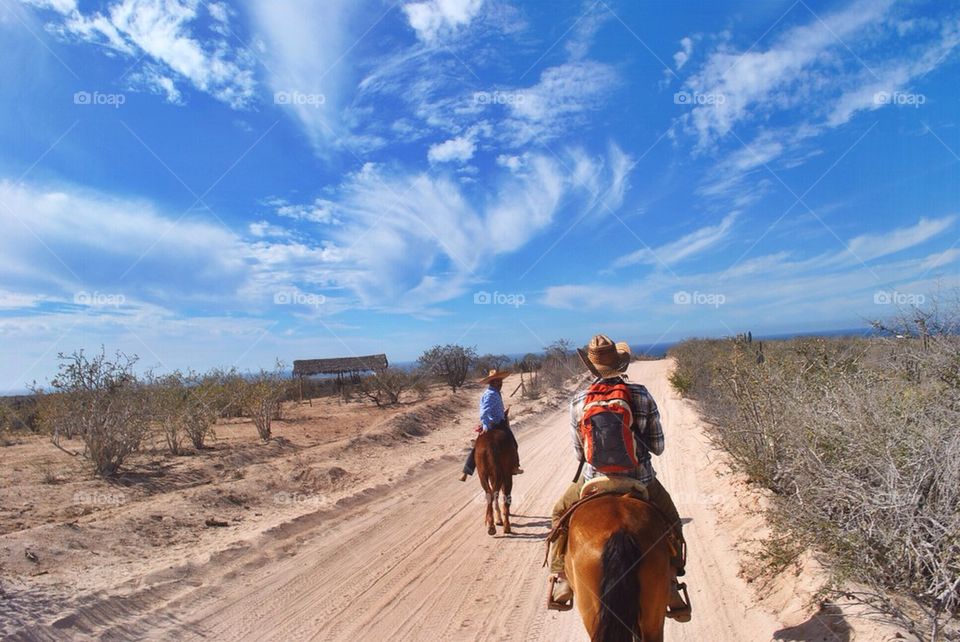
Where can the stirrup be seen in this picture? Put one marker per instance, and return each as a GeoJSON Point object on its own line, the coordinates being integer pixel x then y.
{"type": "Point", "coordinates": [552, 604]}
{"type": "Point", "coordinates": [683, 613]}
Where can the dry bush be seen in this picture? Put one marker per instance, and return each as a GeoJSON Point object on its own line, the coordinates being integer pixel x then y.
{"type": "Point", "coordinates": [450, 363]}
{"type": "Point", "coordinates": [100, 402]}
{"type": "Point", "coordinates": [20, 413]}
{"type": "Point", "coordinates": [205, 402]}
{"type": "Point", "coordinates": [558, 364]}
{"type": "Point", "coordinates": [859, 439]}
{"type": "Point", "coordinates": [167, 399]}
{"type": "Point", "coordinates": [222, 390]}
{"type": "Point", "coordinates": [384, 388]}
{"type": "Point", "coordinates": [262, 395]}
{"type": "Point", "coordinates": [487, 362]}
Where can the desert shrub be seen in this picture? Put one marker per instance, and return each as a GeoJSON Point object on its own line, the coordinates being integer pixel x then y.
{"type": "Point", "coordinates": [186, 407]}
{"type": "Point", "coordinates": [558, 364]}
{"type": "Point", "coordinates": [487, 362]}
{"type": "Point", "coordinates": [858, 439]}
{"type": "Point", "coordinates": [222, 390]}
{"type": "Point", "coordinates": [385, 387]}
{"type": "Point", "coordinates": [205, 402]}
{"type": "Point", "coordinates": [261, 396]}
{"type": "Point", "coordinates": [681, 381]}
{"type": "Point", "coordinates": [20, 413]}
{"type": "Point", "coordinates": [167, 397]}
{"type": "Point", "coordinates": [450, 363]}
{"type": "Point", "coordinates": [101, 402]}
{"type": "Point", "coordinates": [532, 387]}
{"type": "Point", "coordinates": [529, 363]}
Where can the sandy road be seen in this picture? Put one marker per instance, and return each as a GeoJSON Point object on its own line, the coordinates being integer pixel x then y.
{"type": "Point", "coordinates": [414, 563]}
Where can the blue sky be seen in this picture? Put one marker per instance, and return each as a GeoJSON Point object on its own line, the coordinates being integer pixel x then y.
{"type": "Point", "coordinates": [214, 183]}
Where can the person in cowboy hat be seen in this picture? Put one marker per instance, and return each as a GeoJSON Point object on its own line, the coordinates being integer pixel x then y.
{"type": "Point", "coordinates": [492, 415]}
{"type": "Point", "coordinates": [608, 361]}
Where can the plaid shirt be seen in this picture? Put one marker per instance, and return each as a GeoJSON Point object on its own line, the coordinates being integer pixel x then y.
{"type": "Point", "coordinates": [646, 425]}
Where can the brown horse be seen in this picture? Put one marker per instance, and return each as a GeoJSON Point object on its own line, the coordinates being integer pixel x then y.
{"type": "Point", "coordinates": [618, 564]}
{"type": "Point", "coordinates": [496, 459]}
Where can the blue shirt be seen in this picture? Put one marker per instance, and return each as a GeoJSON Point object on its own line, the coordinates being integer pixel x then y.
{"type": "Point", "coordinates": [491, 408]}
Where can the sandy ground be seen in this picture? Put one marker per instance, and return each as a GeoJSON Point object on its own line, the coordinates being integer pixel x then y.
{"type": "Point", "coordinates": [395, 548]}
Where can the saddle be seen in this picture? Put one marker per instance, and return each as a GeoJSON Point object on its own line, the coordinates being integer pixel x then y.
{"type": "Point", "coordinates": [599, 486]}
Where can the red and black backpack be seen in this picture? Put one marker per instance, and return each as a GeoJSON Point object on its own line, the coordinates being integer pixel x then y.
{"type": "Point", "coordinates": [606, 428]}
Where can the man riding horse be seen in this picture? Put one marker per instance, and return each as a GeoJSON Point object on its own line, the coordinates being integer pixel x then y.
{"type": "Point", "coordinates": [591, 421]}
{"type": "Point", "coordinates": [492, 415]}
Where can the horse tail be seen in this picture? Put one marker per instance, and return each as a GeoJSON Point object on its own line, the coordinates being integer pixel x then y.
{"type": "Point", "coordinates": [619, 589]}
{"type": "Point", "coordinates": [486, 456]}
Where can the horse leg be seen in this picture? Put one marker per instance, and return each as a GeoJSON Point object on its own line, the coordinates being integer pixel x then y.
{"type": "Point", "coordinates": [507, 500]}
{"type": "Point", "coordinates": [488, 518]}
{"type": "Point", "coordinates": [496, 507]}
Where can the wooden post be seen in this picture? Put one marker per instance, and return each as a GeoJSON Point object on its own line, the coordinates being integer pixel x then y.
{"type": "Point", "coordinates": [300, 379]}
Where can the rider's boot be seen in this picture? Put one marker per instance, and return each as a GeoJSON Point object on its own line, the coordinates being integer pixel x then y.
{"type": "Point", "coordinates": [559, 593]}
{"type": "Point", "coordinates": [517, 470]}
{"type": "Point", "coordinates": [463, 476]}
{"type": "Point", "coordinates": [679, 607]}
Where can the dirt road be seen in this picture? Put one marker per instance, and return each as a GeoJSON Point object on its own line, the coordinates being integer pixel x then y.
{"type": "Point", "coordinates": [413, 562]}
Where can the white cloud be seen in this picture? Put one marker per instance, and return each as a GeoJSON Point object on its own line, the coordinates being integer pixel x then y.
{"type": "Point", "coordinates": [871, 246]}
{"type": "Point", "coordinates": [883, 84]}
{"type": "Point", "coordinates": [321, 210]}
{"type": "Point", "coordinates": [161, 31]}
{"type": "Point", "coordinates": [779, 287]}
{"type": "Point", "coordinates": [460, 149]}
{"type": "Point", "coordinates": [553, 105]}
{"type": "Point", "coordinates": [680, 57]}
{"type": "Point", "coordinates": [511, 162]}
{"type": "Point", "coordinates": [432, 19]}
{"type": "Point", "coordinates": [410, 240]}
{"type": "Point", "coordinates": [683, 248]}
{"type": "Point", "coordinates": [751, 82]}
{"type": "Point", "coordinates": [304, 44]}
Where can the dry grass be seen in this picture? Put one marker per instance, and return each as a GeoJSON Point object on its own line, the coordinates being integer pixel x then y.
{"type": "Point", "coordinates": [859, 440]}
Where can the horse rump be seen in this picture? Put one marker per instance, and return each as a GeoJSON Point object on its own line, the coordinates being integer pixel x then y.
{"type": "Point", "coordinates": [617, 620]}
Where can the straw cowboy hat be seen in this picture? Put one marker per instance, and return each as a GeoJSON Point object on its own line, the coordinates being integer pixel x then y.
{"type": "Point", "coordinates": [604, 358]}
{"type": "Point", "coordinates": [494, 375]}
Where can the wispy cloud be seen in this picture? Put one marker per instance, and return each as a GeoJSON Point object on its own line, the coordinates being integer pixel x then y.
{"type": "Point", "coordinates": [684, 248]}
{"type": "Point", "coordinates": [872, 246]}
{"type": "Point", "coordinates": [166, 36]}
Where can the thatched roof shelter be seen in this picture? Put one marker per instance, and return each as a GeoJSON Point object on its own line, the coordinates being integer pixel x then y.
{"type": "Point", "coordinates": [338, 366]}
